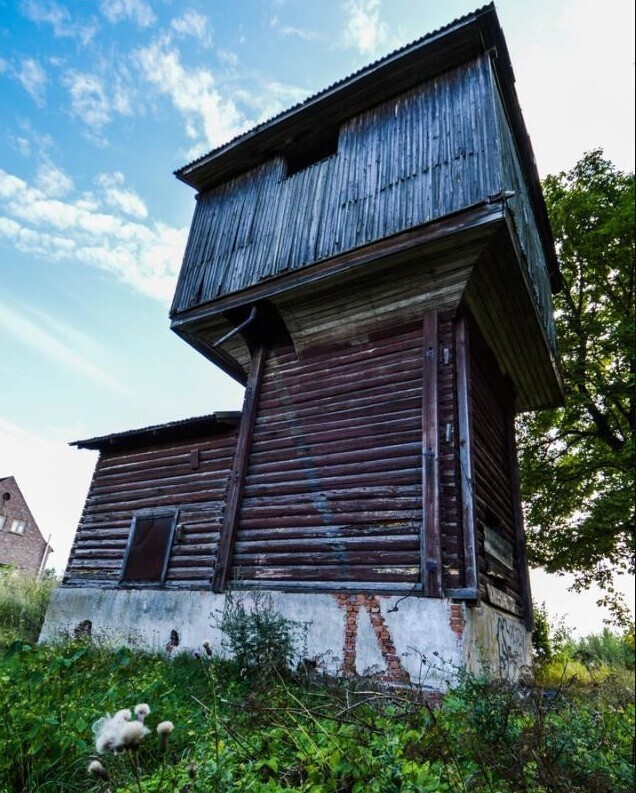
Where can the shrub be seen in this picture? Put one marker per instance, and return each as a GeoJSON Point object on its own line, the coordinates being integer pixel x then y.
{"type": "Point", "coordinates": [23, 604]}
{"type": "Point", "coordinates": [261, 641]}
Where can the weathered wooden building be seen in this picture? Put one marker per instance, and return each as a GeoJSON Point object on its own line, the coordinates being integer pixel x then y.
{"type": "Point", "coordinates": [376, 266]}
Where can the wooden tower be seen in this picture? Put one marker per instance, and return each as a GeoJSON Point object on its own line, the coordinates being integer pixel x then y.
{"type": "Point", "coordinates": [376, 266]}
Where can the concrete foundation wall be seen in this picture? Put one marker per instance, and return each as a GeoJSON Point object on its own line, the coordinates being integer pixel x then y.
{"type": "Point", "coordinates": [412, 640]}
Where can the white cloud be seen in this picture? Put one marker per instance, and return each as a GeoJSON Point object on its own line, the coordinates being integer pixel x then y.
{"type": "Point", "coordinates": [290, 30]}
{"type": "Point", "coordinates": [364, 30]}
{"type": "Point", "coordinates": [191, 23]}
{"type": "Point", "coordinates": [32, 78]}
{"type": "Point", "coordinates": [88, 98]}
{"type": "Point", "coordinates": [136, 10]}
{"type": "Point", "coordinates": [118, 197]}
{"type": "Point", "coordinates": [95, 104]}
{"type": "Point", "coordinates": [60, 20]}
{"type": "Point", "coordinates": [210, 118]}
{"type": "Point", "coordinates": [53, 180]}
{"type": "Point", "coordinates": [42, 338]}
{"type": "Point", "coordinates": [94, 229]}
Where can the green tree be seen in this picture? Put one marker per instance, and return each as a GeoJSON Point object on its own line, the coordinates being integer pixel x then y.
{"type": "Point", "coordinates": [577, 462]}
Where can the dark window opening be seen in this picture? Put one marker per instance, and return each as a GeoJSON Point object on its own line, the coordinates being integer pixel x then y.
{"type": "Point", "coordinates": [149, 547]}
{"type": "Point", "coordinates": [174, 638]}
{"type": "Point", "coordinates": [301, 156]}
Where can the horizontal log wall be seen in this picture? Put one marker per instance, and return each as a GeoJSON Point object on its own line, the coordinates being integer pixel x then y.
{"type": "Point", "coordinates": [163, 476]}
{"type": "Point", "coordinates": [491, 399]}
{"type": "Point", "coordinates": [334, 486]}
{"type": "Point", "coordinates": [451, 528]}
{"type": "Point", "coordinates": [425, 154]}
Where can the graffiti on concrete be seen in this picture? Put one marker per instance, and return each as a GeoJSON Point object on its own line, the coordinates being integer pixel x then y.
{"type": "Point", "coordinates": [511, 642]}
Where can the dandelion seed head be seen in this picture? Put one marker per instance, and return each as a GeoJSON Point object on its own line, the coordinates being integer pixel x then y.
{"type": "Point", "coordinates": [164, 728]}
{"type": "Point", "coordinates": [97, 769]}
{"type": "Point", "coordinates": [131, 734]}
{"type": "Point", "coordinates": [141, 711]}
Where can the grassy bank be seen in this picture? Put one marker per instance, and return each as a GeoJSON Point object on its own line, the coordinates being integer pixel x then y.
{"type": "Point", "coordinates": [251, 725]}
{"type": "Point", "coordinates": [233, 732]}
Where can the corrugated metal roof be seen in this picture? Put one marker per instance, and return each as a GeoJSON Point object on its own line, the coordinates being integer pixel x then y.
{"type": "Point", "coordinates": [162, 433]}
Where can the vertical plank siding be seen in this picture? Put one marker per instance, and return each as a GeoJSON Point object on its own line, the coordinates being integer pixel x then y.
{"type": "Point", "coordinates": [525, 224]}
{"type": "Point", "coordinates": [334, 486]}
{"type": "Point", "coordinates": [427, 153]}
{"type": "Point", "coordinates": [153, 478]}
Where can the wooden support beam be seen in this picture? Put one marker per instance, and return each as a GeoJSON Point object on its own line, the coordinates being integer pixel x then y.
{"type": "Point", "coordinates": [239, 472]}
{"type": "Point", "coordinates": [467, 475]}
{"type": "Point", "coordinates": [430, 544]}
{"type": "Point", "coordinates": [520, 534]}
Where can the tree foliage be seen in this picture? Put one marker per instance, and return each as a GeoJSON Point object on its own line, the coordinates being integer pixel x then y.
{"type": "Point", "coordinates": [577, 462]}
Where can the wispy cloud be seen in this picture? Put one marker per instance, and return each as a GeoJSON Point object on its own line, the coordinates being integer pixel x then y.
{"type": "Point", "coordinates": [93, 228]}
{"type": "Point", "coordinates": [59, 18]}
{"type": "Point", "coordinates": [119, 197]}
{"type": "Point", "coordinates": [192, 23]}
{"type": "Point", "coordinates": [47, 336]}
{"type": "Point", "coordinates": [210, 118]}
{"type": "Point", "coordinates": [289, 30]}
{"type": "Point", "coordinates": [53, 181]}
{"type": "Point", "coordinates": [364, 30]}
{"type": "Point", "coordinates": [137, 11]}
{"type": "Point", "coordinates": [33, 79]}
{"type": "Point", "coordinates": [94, 102]}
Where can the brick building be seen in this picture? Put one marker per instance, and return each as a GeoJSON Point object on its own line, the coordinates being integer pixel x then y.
{"type": "Point", "coordinates": [22, 545]}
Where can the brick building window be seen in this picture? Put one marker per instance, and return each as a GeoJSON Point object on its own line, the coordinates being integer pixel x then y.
{"type": "Point", "coordinates": [18, 526]}
{"type": "Point", "coordinates": [3, 520]}
{"type": "Point", "coordinates": [148, 550]}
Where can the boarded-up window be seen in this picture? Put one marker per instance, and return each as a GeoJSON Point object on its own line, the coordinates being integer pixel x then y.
{"type": "Point", "coordinates": [149, 546]}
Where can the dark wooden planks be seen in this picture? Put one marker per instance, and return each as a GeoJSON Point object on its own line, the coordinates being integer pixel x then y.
{"type": "Point", "coordinates": [334, 480]}
{"type": "Point", "coordinates": [466, 456]}
{"type": "Point", "coordinates": [126, 482]}
{"type": "Point", "coordinates": [430, 550]}
{"type": "Point", "coordinates": [494, 486]}
{"type": "Point", "coordinates": [239, 469]}
{"type": "Point", "coordinates": [420, 156]}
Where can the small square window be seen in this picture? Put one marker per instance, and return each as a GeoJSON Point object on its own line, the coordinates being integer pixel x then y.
{"type": "Point", "coordinates": [18, 526]}
{"type": "Point", "coordinates": [3, 520]}
{"type": "Point", "coordinates": [149, 546]}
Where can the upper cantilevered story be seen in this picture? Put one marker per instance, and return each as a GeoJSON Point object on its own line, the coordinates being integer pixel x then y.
{"type": "Point", "coordinates": [415, 171]}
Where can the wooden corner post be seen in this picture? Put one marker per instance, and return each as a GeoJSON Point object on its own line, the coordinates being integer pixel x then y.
{"type": "Point", "coordinates": [430, 542]}
{"type": "Point", "coordinates": [238, 472]}
{"type": "Point", "coordinates": [467, 475]}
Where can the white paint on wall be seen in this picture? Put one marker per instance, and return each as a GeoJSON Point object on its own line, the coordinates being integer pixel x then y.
{"type": "Point", "coordinates": [429, 650]}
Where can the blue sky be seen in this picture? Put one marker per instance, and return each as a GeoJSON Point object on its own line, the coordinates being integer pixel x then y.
{"type": "Point", "coordinates": [101, 101]}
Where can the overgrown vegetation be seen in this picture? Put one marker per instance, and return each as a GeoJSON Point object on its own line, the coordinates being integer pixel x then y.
{"type": "Point", "coordinates": [23, 602]}
{"type": "Point", "coordinates": [253, 724]}
{"type": "Point", "coordinates": [577, 462]}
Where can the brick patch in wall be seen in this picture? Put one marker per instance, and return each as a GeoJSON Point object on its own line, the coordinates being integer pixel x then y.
{"type": "Point", "coordinates": [457, 619]}
{"type": "Point", "coordinates": [395, 672]}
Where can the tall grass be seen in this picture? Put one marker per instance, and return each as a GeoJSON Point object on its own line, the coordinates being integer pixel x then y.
{"type": "Point", "coordinates": [23, 604]}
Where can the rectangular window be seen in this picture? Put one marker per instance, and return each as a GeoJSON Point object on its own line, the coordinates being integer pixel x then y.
{"type": "Point", "coordinates": [3, 520]}
{"type": "Point", "coordinates": [146, 558]}
{"type": "Point", "coordinates": [18, 526]}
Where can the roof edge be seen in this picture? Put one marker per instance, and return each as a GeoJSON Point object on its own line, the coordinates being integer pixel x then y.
{"type": "Point", "coordinates": [157, 433]}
